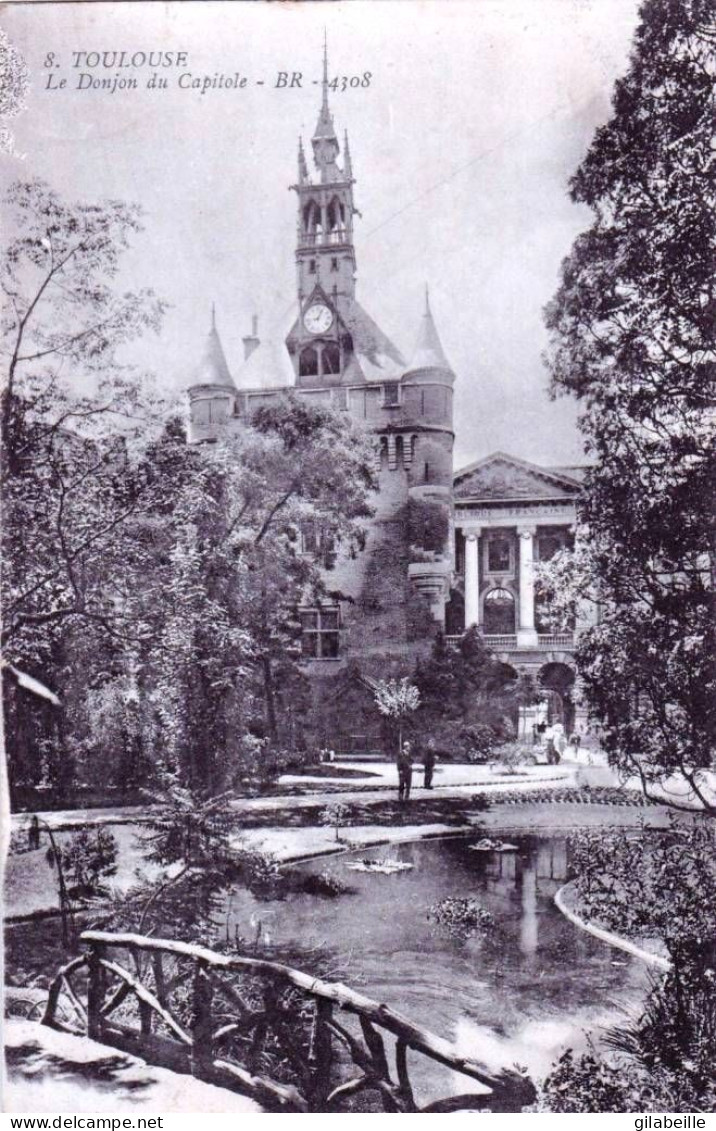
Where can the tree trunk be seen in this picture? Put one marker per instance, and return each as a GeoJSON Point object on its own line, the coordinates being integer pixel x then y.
{"type": "Point", "coordinates": [270, 698]}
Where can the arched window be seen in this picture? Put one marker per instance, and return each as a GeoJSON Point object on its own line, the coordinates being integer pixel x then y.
{"type": "Point", "coordinates": [336, 221]}
{"type": "Point", "coordinates": [331, 358]}
{"type": "Point", "coordinates": [312, 219]}
{"type": "Point", "coordinates": [499, 613]}
{"type": "Point", "coordinates": [308, 362]}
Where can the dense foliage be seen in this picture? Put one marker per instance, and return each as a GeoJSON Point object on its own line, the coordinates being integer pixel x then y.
{"type": "Point", "coordinates": [468, 699]}
{"type": "Point", "coordinates": [632, 339]}
{"type": "Point", "coordinates": [655, 888]}
{"type": "Point", "coordinates": [154, 587]}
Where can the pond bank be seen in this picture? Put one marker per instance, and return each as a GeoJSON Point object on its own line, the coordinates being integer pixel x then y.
{"type": "Point", "coordinates": [565, 900]}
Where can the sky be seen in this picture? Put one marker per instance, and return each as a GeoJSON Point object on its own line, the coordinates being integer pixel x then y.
{"type": "Point", "coordinates": [464, 137]}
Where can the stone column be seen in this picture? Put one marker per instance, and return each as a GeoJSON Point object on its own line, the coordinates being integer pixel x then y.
{"type": "Point", "coordinates": [472, 590]}
{"type": "Point", "coordinates": [526, 633]}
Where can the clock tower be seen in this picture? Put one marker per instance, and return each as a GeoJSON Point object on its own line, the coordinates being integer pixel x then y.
{"type": "Point", "coordinates": [321, 343]}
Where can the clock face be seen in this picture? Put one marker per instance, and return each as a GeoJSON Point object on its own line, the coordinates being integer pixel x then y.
{"type": "Point", "coordinates": [317, 318]}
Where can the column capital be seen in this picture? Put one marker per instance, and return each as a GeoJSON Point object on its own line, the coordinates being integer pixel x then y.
{"type": "Point", "coordinates": [526, 531]}
{"type": "Point", "coordinates": [470, 533]}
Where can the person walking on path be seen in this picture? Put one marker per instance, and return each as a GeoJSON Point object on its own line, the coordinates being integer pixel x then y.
{"type": "Point", "coordinates": [33, 833]}
{"type": "Point", "coordinates": [405, 771]}
{"type": "Point", "coordinates": [429, 760]}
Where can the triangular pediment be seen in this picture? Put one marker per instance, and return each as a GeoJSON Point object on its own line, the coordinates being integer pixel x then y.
{"type": "Point", "coordinates": [501, 477]}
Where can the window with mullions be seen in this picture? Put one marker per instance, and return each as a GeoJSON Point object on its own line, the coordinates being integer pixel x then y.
{"type": "Point", "coordinates": [318, 543]}
{"type": "Point", "coordinates": [320, 635]}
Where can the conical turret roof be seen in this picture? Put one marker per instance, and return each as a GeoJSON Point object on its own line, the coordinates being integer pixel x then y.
{"type": "Point", "coordinates": [213, 369]}
{"type": "Point", "coordinates": [428, 352]}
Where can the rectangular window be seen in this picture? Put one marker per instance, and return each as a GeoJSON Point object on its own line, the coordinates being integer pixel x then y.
{"type": "Point", "coordinates": [309, 538]}
{"type": "Point", "coordinates": [499, 555]}
{"type": "Point", "coordinates": [312, 267]}
{"type": "Point", "coordinates": [334, 264]}
{"type": "Point", "coordinates": [320, 633]}
{"type": "Point", "coordinates": [391, 395]}
{"type": "Point", "coordinates": [548, 545]}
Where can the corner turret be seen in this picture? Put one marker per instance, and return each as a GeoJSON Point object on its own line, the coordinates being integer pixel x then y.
{"type": "Point", "coordinates": [212, 395]}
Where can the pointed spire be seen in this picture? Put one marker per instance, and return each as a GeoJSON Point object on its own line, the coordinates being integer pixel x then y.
{"type": "Point", "coordinates": [324, 128]}
{"type": "Point", "coordinates": [347, 163]}
{"type": "Point", "coordinates": [428, 352]}
{"type": "Point", "coordinates": [213, 369]}
{"type": "Point", "coordinates": [302, 164]}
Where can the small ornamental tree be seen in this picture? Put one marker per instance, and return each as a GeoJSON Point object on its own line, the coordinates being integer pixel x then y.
{"type": "Point", "coordinates": [396, 699]}
{"type": "Point", "coordinates": [335, 815]}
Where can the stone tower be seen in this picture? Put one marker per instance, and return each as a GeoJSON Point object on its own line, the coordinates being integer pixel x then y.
{"type": "Point", "coordinates": [395, 592]}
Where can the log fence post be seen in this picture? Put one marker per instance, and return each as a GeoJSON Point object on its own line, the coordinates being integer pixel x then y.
{"type": "Point", "coordinates": [95, 993]}
{"type": "Point", "coordinates": [320, 1055]}
{"type": "Point", "coordinates": [202, 1028]}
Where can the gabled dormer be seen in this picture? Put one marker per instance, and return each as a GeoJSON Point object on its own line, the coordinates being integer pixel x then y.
{"type": "Point", "coordinates": [320, 342]}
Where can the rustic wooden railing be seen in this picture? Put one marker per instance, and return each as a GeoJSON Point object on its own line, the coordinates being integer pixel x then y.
{"type": "Point", "coordinates": [290, 1041]}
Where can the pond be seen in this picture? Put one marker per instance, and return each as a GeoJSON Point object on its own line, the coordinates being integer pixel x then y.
{"type": "Point", "coordinates": [520, 994]}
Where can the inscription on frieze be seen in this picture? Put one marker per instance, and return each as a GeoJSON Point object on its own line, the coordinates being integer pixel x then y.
{"type": "Point", "coordinates": [565, 510]}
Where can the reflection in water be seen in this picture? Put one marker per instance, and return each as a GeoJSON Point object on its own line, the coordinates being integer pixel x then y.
{"type": "Point", "coordinates": [528, 923]}
{"type": "Point", "coordinates": [520, 994]}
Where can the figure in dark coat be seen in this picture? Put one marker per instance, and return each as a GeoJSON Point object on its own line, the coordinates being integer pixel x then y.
{"type": "Point", "coordinates": [429, 760]}
{"type": "Point", "coordinates": [33, 833]}
{"type": "Point", "coordinates": [405, 771]}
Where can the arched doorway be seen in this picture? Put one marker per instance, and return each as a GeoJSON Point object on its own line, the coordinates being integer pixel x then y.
{"type": "Point", "coordinates": [558, 680]}
{"type": "Point", "coordinates": [498, 618]}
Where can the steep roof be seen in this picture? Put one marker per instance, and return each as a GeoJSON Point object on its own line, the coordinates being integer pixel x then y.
{"type": "Point", "coordinates": [428, 352]}
{"type": "Point", "coordinates": [212, 369]}
{"type": "Point", "coordinates": [377, 356]}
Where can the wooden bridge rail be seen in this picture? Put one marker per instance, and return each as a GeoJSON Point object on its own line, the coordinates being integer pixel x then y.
{"type": "Point", "coordinates": [317, 1082]}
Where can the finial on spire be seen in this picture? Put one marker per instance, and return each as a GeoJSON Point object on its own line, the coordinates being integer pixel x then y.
{"type": "Point", "coordinates": [324, 129]}
{"type": "Point", "coordinates": [213, 315]}
{"type": "Point", "coordinates": [427, 299]}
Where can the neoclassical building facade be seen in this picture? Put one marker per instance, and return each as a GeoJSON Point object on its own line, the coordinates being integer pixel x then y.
{"type": "Point", "coordinates": [488, 523]}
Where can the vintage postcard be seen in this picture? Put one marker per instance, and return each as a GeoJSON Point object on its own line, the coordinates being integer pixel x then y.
{"type": "Point", "coordinates": [356, 477]}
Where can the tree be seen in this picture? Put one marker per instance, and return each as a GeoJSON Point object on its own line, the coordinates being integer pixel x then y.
{"type": "Point", "coordinates": [222, 605]}
{"type": "Point", "coordinates": [466, 695]}
{"type": "Point", "coordinates": [396, 699]}
{"type": "Point", "coordinates": [153, 585]}
{"type": "Point", "coordinates": [73, 420]}
{"type": "Point", "coordinates": [632, 339]}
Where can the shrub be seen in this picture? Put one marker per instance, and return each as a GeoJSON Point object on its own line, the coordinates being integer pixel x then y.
{"type": "Point", "coordinates": [89, 860]}
{"type": "Point", "coordinates": [463, 917]}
